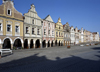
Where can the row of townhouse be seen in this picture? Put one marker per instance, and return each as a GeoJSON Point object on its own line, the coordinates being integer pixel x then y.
{"type": "Point", "coordinates": [30, 31]}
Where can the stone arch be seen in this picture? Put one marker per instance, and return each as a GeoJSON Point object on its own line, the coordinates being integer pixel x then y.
{"type": "Point", "coordinates": [48, 43]}
{"type": "Point", "coordinates": [56, 43]}
{"type": "Point", "coordinates": [9, 39]}
{"type": "Point", "coordinates": [6, 43]}
{"type": "Point", "coordinates": [62, 43]}
{"type": "Point", "coordinates": [52, 43]}
{"type": "Point", "coordinates": [31, 43]}
{"type": "Point", "coordinates": [44, 43]}
{"type": "Point", "coordinates": [26, 43]}
{"type": "Point", "coordinates": [17, 43]}
{"type": "Point", "coordinates": [20, 39]}
{"type": "Point", "coordinates": [37, 44]}
{"type": "Point", "coordinates": [59, 43]}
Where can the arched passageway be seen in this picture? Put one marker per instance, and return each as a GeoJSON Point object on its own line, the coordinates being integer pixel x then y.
{"type": "Point", "coordinates": [49, 43]}
{"type": "Point", "coordinates": [52, 44]}
{"type": "Point", "coordinates": [7, 44]}
{"type": "Point", "coordinates": [37, 43]}
{"type": "Point", "coordinates": [31, 43]}
{"type": "Point", "coordinates": [17, 44]}
{"type": "Point", "coordinates": [44, 43]}
{"type": "Point", "coordinates": [26, 44]}
{"type": "Point", "coordinates": [59, 43]}
{"type": "Point", "coordinates": [56, 43]}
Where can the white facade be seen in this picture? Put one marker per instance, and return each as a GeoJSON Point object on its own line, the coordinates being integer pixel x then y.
{"type": "Point", "coordinates": [72, 35]}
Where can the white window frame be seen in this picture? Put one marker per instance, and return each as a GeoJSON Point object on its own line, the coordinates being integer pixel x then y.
{"type": "Point", "coordinates": [37, 31]}
{"type": "Point", "coordinates": [44, 31]}
{"type": "Point", "coordinates": [28, 30]}
{"type": "Point", "coordinates": [18, 29]}
{"type": "Point", "coordinates": [7, 11]}
{"type": "Point", "coordinates": [1, 27]}
{"type": "Point", "coordinates": [34, 30]}
{"type": "Point", "coordinates": [10, 29]}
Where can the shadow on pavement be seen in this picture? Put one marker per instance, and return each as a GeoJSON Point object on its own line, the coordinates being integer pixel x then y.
{"type": "Point", "coordinates": [37, 63]}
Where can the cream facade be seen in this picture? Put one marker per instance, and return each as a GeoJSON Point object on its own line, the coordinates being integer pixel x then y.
{"type": "Point", "coordinates": [11, 26]}
{"type": "Point", "coordinates": [32, 29]}
{"type": "Point", "coordinates": [59, 34]}
{"type": "Point", "coordinates": [76, 36]}
{"type": "Point", "coordinates": [67, 39]}
{"type": "Point", "coordinates": [72, 35]}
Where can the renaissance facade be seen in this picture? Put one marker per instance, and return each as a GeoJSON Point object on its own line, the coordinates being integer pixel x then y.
{"type": "Point", "coordinates": [11, 26]}
{"type": "Point", "coordinates": [30, 31]}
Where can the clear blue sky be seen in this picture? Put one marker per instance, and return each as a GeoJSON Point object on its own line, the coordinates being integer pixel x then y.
{"type": "Point", "coordinates": [80, 13]}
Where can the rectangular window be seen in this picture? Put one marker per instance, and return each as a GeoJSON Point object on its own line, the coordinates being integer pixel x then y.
{"type": "Point", "coordinates": [0, 27]}
{"type": "Point", "coordinates": [27, 30]}
{"type": "Point", "coordinates": [38, 31]}
{"type": "Point", "coordinates": [44, 31]}
{"type": "Point", "coordinates": [9, 28]}
{"type": "Point", "coordinates": [59, 33]}
{"type": "Point", "coordinates": [9, 12]}
{"type": "Point", "coordinates": [52, 33]}
{"type": "Point", "coordinates": [32, 30]}
{"type": "Point", "coordinates": [49, 24]}
{"type": "Point", "coordinates": [49, 32]}
{"type": "Point", "coordinates": [17, 28]}
{"type": "Point", "coordinates": [33, 21]}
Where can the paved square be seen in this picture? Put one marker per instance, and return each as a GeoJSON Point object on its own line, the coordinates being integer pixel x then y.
{"type": "Point", "coordinates": [55, 59]}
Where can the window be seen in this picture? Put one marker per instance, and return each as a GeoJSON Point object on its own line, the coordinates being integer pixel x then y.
{"type": "Point", "coordinates": [52, 33]}
{"type": "Point", "coordinates": [32, 30]}
{"type": "Point", "coordinates": [38, 31]}
{"type": "Point", "coordinates": [49, 32]}
{"type": "Point", "coordinates": [9, 12]}
{"type": "Point", "coordinates": [17, 28]}
{"type": "Point", "coordinates": [9, 28]}
{"type": "Point", "coordinates": [56, 33]}
{"type": "Point", "coordinates": [49, 24]}
{"type": "Point", "coordinates": [26, 29]}
{"type": "Point", "coordinates": [44, 31]}
{"type": "Point", "coordinates": [59, 27]}
{"type": "Point", "coordinates": [0, 27]}
{"type": "Point", "coordinates": [33, 21]}
{"type": "Point", "coordinates": [59, 33]}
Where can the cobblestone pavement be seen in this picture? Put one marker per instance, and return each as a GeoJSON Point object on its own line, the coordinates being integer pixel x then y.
{"type": "Point", "coordinates": [55, 59]}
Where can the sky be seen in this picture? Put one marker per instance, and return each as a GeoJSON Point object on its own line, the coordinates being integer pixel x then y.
{"type": "Point", "coordinates": [80, 13]}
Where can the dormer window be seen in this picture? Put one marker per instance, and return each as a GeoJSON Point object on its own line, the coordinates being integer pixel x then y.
{"type": "Point", "coordinates": [9, 12]}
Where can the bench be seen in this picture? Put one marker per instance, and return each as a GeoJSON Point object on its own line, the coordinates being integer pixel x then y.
{"type": "Point", "coordinates": [5, 51]}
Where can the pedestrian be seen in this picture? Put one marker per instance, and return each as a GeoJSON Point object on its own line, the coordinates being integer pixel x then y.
{"type": "Point", "coordinates": [0, 56]}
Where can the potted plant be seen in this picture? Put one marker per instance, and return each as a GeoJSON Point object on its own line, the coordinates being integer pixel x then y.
{"type": "Point", "coordinates": [68, 46]}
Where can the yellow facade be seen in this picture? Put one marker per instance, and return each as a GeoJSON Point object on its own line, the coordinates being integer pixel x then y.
{"type": "Point", "coordinates": [11, 20]}
{"type": "Point", "coordinates": [59, 34]}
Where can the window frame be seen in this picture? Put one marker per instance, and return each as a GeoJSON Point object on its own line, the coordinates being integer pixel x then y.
{"type": "Point", "coordinates": [10, 12]}
{"type": "Point", "coordinates": [10, 28]}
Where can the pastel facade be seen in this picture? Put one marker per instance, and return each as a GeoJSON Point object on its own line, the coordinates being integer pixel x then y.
{"type": "Point", "coordinates": [67, 39]}
{"type": "Point", "coordinates": [48, 32]}
{"type": "Point", "coordinates": [11, 26]}
{"type": "Point", "coordinates": [32, 29]}
{"type": "Point", "coordinates": [72, 35]}
{"type": "Point", "coordinates": [95, 36]}
{"type": "Point", "coordinates": [82, 35]}
{"type": "Point", "coordinates": [59, 34]}
{"type": "Point", "coordinates": [76, 36]}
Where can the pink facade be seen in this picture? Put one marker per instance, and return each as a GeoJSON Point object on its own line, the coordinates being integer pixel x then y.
{"type": "Point", "coordinates": [48, 30]}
